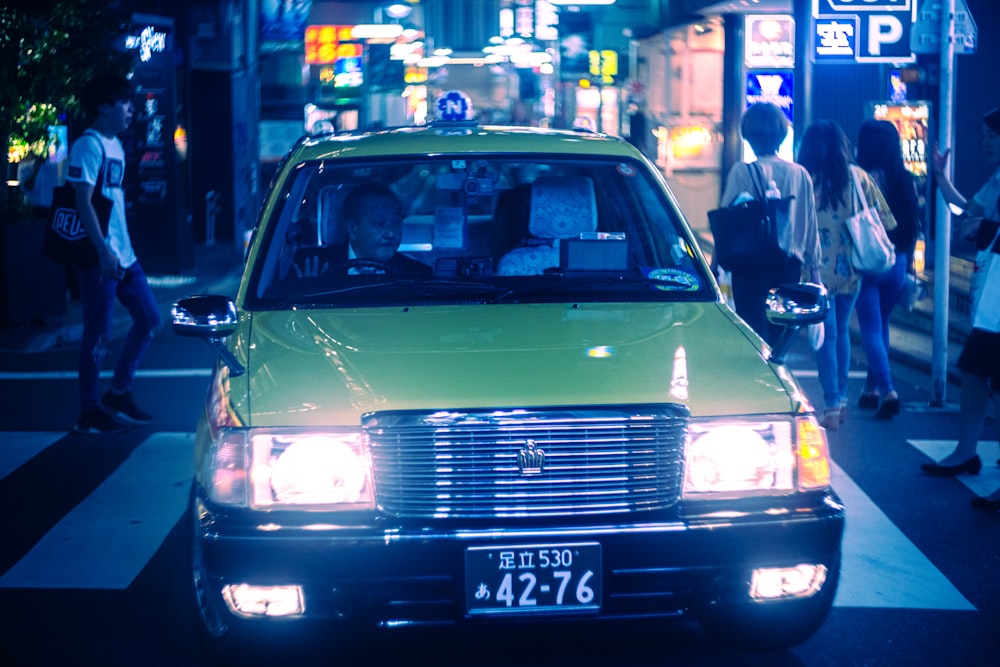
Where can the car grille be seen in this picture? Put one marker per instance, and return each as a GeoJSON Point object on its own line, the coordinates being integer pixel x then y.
{"type": "Point", "coordinates": [517, 463]}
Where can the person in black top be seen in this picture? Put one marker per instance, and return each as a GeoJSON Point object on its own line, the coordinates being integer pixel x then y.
{"type": "Point", "coordinates": [879, 153]}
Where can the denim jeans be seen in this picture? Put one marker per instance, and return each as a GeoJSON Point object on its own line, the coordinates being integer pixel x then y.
{"type": "Point", "coordinates": [878, 295]}
{"type": "Point", "coordinates": [833, 358]}
{"type": "Point", "coordinates": [97, 301]}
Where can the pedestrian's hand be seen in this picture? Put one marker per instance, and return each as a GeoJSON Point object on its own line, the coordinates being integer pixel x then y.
{"type": "Point", "coordinates": [939, 160]}
{"type": "Point", "coordinates": [108, 261]}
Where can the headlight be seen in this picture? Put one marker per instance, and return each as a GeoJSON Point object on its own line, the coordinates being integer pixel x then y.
{"type": "Point", "coordinates": [755, 457]}
{"type": "Point", "coordinates": [266, 468]}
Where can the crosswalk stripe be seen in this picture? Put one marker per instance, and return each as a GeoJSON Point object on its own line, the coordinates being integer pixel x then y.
{"type": "Point", "coordinates": [881, 567]}
{"type": "Point", "coordinates": [19, 448]}
{"type": "Point", "coordinates": [106, 540]}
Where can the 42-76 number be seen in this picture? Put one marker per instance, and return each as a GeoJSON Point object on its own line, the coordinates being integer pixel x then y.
{"type": "Point", "coordinates": [528, 584]}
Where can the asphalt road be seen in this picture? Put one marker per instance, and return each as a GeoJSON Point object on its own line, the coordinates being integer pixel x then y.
{"type": "Point", "coordinates": [93, 562]}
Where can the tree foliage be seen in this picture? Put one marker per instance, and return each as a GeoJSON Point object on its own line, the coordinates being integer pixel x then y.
{"type": "Point", "coordinates": [48, 50]}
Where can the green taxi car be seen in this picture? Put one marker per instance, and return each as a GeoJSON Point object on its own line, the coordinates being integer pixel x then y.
{"type": "Point", "coordinates": [484, 375]}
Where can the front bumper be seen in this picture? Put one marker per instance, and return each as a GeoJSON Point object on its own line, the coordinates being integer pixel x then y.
{"type": "Point", "coordinates": [399, 575]}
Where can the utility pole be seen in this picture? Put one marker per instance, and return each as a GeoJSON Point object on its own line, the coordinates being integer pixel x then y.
{"type": "Point", "coordinates": [942, 245]}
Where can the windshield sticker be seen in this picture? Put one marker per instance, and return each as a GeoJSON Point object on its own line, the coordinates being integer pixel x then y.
{"type": "Point", "coordinates": [673, 280]}
{"type": "Point", "coordinates": [626, 170]}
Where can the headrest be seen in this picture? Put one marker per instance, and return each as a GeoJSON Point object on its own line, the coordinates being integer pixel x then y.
{"type": "Point", "coordinates": [562, 207]}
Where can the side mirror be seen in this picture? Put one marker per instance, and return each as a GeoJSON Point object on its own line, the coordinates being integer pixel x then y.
{"type": "Point", "coordinates": [212, 318]}
{"type": "Point", "coordinates": [793, 306]}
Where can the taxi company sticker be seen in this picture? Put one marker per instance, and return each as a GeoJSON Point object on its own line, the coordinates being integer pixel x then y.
{"type": "Point", "coordinates": [674, 280]}
{"type": "Point", "coordinates": [626, 170]}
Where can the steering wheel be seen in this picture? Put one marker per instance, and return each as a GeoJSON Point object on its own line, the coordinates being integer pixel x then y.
{"type": "Point", "coordinates": [372, 265]}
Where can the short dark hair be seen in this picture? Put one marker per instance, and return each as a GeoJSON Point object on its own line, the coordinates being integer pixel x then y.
{"type": "Point", "coordinates": [355, 198]}
{"type": "Point", "coordinates": [105, 89]}
{"type": "Point", "coordinates": [764, 126]}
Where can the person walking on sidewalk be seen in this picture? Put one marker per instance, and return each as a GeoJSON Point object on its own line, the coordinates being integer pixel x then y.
{"type": "Point", "coordinates": [765, 127]}
{"type": "Point", "coordinates": [879, 153]}
{"type": "Point", "coordinates": [979, 362]}
{"type": "Point", "coordinates": [107, 100]}
{"type": "Point", "coordinates": [826, 152]}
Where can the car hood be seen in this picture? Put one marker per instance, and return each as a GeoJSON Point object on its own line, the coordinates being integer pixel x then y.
{"type": "Point", "coordinates": [329, 366]}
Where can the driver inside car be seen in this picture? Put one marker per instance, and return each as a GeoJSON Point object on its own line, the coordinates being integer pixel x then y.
{"type": "Point", "coordinates": [373, 216]}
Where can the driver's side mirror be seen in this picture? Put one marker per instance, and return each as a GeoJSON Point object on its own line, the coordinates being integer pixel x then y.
{"type": "Point", "coordinates": [212, 318]}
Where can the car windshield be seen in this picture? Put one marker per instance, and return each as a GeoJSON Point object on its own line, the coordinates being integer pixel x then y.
{"type": "Point", "coordinates": [473, 229]}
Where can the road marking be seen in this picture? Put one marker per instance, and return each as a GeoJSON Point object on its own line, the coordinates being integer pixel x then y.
{"type": "Point", "coordinates": [881, 567]}
{"type": "Point", "coordinates": [986, 482]}
{"type": "Point", "coordinates": [72, 375]}
{"type": "Point", "coordinates": [106, 540]}
{"type": "Point", "coordinates": [19, 448]}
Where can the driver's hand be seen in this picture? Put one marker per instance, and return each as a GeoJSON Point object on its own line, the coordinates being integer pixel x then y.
{"type": "Point", "coordinates": [310, 267]}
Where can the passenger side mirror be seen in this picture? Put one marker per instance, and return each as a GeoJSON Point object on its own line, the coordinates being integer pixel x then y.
{"type": "Point", "coordinates": [793, 306]}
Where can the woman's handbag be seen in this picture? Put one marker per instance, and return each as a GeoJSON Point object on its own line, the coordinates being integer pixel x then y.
{"type": "Point", "coordinates": [873, 251]}
{"type": "Point", "coordinates": [746, 234]}
{"type": "Point", "coordinates": [66, 240]}
{"type": "Point", "coordinates": [984, 286]}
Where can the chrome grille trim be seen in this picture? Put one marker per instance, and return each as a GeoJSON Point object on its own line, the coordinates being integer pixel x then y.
{"type": "Point", "coordinates": [466, 464]}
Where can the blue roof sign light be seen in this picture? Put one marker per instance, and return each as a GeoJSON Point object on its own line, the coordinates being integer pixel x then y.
{"type": "Point", "coordinates": [454, 105]}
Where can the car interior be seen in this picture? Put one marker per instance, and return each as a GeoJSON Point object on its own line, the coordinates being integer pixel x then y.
{"type": "Point", "coordinates": [486, 220]}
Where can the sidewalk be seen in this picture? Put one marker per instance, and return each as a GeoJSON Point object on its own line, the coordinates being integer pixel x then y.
{"type": "Point", "coordinates": [217, 270]}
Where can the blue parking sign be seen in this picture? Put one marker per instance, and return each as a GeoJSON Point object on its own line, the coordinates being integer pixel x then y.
{"type": "Point", "coordinates": [885, 38]}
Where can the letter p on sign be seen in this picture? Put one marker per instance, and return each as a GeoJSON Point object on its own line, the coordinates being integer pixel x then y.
{"type": "Point", "coordinates": [883, 29]}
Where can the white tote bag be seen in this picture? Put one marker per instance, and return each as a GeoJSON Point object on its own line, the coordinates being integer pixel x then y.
{"type": "Point", "coordinates": [873, 251]}
{"type": "Point", "coordinates": [984, 287]}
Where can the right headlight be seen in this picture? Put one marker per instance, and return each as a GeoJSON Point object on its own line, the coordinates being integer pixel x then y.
{"type": "Point", "coordinates": [277, 468]}
{"type": "Point", "coordinates": [747, 457]}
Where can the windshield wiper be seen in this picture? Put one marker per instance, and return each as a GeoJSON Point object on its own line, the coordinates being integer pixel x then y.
{"type": "Point", "coordinates": [433, 288]}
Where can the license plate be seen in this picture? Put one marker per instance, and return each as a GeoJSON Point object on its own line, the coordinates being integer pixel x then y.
{"type": "Point", "coordinates": [533, 578]}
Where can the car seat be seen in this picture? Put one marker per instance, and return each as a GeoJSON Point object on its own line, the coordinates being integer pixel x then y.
{"type": "Point", "coordinates": [562, 207]}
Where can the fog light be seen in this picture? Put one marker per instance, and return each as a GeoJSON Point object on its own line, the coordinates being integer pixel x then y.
{"type": "Point", "coordinates": [773, 583]}
{"type": "Point", "coordinates": [250, 601]}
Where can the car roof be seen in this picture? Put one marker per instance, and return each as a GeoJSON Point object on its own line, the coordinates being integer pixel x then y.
{"type": "Point", "coordinates": [452, 138]}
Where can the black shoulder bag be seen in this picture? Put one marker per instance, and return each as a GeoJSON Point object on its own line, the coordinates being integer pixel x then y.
{"type": "Point", "coordinates": [66, 240]}
{"type": "Point", "coordinates": [746, 234]}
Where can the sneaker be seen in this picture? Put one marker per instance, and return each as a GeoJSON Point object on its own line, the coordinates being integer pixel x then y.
{"type": "Point", "coordinates": [96, 421]}
{"type": "Point", "coordinates": [123, 406]}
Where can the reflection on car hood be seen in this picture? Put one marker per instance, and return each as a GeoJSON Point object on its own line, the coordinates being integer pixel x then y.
{"type": "Point", "coordinates": [329, 366]}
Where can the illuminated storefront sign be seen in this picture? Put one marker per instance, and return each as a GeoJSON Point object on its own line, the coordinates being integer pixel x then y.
{"type": "Point", "coordinates": [147, 42]}
{"type": "Point", "coordinates": [325, 43]}
{"type": "Point", "coordinates": [770, 41]}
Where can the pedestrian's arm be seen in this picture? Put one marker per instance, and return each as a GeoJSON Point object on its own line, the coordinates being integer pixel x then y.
{"type": "Point", "coordinates": [88, 216]}
{"type": "Point", "coordinates": [939, 162]}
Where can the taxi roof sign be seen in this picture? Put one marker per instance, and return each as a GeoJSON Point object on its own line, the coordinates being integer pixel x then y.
{"type": "Point", "coordinates": [454, 105]}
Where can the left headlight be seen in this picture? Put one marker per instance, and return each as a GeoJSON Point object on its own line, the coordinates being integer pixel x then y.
{"type": "Point", "coordinates": [747, 457]}
{"type": "Point", "coordinates": [322, 470]}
